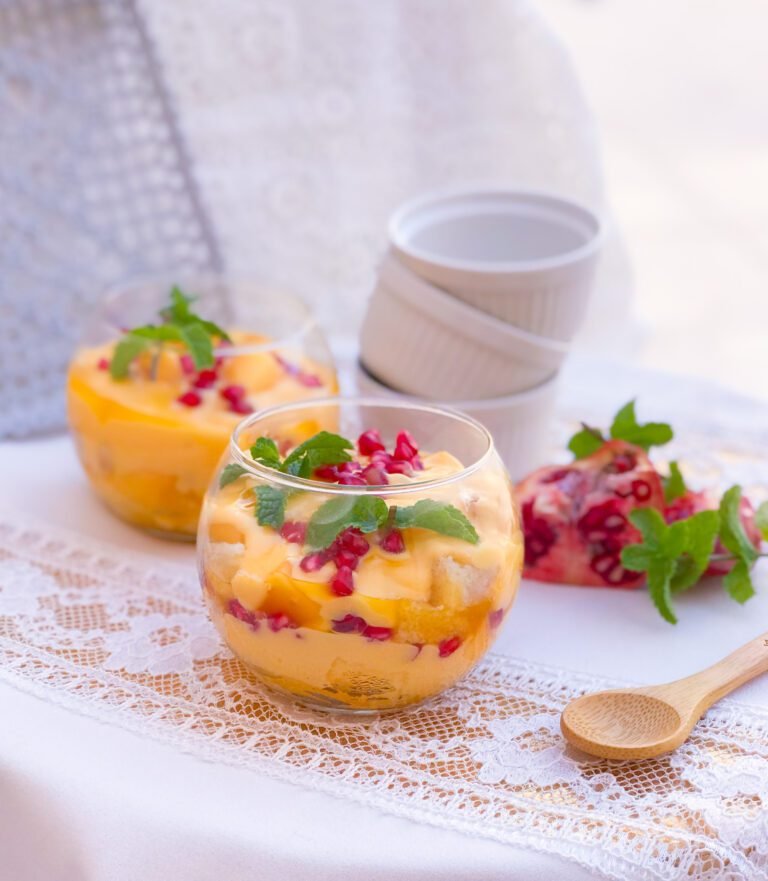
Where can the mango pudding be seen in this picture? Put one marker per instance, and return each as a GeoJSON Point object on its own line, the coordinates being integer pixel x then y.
{"type": "Point", "coordinates": [364, 576]}
{"type": "Point", "coordinates": [152, 411]}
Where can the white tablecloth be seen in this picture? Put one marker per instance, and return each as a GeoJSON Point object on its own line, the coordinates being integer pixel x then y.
{"type": "Point", "coordinates": [84, 801]}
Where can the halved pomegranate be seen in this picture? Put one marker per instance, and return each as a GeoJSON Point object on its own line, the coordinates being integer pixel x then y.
{"type": "Point", "coordinates": [575, 517]}
{"type": "Point", "coordinates": [693, 502]}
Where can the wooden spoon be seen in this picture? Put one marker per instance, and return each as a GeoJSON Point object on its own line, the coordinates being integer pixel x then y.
{"type": "Point", "coordinates": [640, 723]}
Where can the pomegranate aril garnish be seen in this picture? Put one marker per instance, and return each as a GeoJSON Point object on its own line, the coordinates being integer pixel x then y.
{"type": "Point", "coordinates": [349, 624]}
{"type": "Point", "coordinates": [375, 476]}
{"type": "Point", "coordinates": [345, 559]}
{"type": "Point", "coordinates": [343, 582]}
{"type": "Point", "coordinates": [495, 618]}
{"type": "Point", "coordinates": [448, 646]}
{"type": "Point", "coordinates": [187, 365]}
{"type": "Point", "coordinates": [280, 621]}
{"type": "Point", "coordinates": [103, 364]}
{"type": "Point", "coordinates": [294, 532]}
{"type": "Point", "coordinates": [370, 442]}
{"type": "Point", "coordinates": [351, 480]}
{"type": "Point", "coordinates": [242, 407]}
{"type": "Point", "coordinates": [405, 446]}
{"type": "Point", "coordinates": [313, 562]}
{"type": "Point", "coordinates": [232, 393]}
{"type": "Point", "coordinates": [377, 633]}
{"type": "Point", "coordinates": [393, 542]}
{"type": "Point", "coordinates": [239, 611]}
{"type": "Point", "coordinates": [205, 379]}
{"type": "Point", "coordinates": [190, 399]}
{"type": "Point", "coordinates": [608, 567]}
{"type": "Point", "coordinates": [354, 541]}
{"type": "Point", "coordinates": [327, 472]}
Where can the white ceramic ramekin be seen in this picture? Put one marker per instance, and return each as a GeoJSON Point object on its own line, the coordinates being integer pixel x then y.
{"type": "Point", "coordinates": [520, 424]}
{"type": "Point", "coordinates": [422, 341]}
{"type": "Point", "coordinates": [525, 257]}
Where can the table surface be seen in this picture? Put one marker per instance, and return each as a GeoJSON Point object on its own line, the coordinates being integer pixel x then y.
{"type": "Point", "coordinates": [113, 805]}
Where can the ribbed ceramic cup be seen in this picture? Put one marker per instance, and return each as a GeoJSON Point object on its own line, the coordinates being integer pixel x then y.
{"type": "Point", "coordinates": [425, 342]}
{"type": "Point", "coordinates": [527, 258]}
{"type": "Point", "coordinates": [520, 424]}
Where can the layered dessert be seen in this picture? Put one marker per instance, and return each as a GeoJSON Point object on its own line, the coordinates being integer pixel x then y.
{"type": "Point", "coordinates": [359, 577]}
{"type": "Point", "coordinates": [152, 410]}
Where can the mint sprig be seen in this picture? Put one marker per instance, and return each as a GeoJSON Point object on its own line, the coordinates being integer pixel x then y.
{"type": "Point", "coordinates": [734, 538]}
{"type": "Point", "coordinates": [230, 474]}
{"type": "Point", "coordinates": [321, 449]}
{"type": "Point", "coordinates": [674, 556]}
{"type": "Point", "coordinates": [270, 505]}
{"type": "Point", "coordinates": [180, 325]}
{"type": "Point", "coordinates": [761, 520]}
{"type": "Point", "coordinates": [437, 517]}
{"type": "Point", "coordinates": [624, 427]}
{"type": "Point", "coordinates": [674, 485]}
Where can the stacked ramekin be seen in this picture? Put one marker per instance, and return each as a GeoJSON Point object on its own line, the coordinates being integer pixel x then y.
{"type": "Point", "coordinates": [476, 303]}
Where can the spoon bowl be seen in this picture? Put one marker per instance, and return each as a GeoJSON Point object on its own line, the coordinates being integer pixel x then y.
{"type": "Point", "coordinates": [640, 723]}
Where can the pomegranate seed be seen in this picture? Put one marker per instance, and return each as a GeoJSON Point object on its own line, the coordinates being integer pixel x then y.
{"type": "Point", "coordinates": [301, 376]}
{"type": "Point", "coordinates": [279, 621]}
{"type": "Point", "coordinates": [556, 476]}
{"type": "Point", "coordinates": [448, 646]}
{"type": "Point", "coordinates": [397, 467]}
{"type": "Point", "coordinates": [369, 442]}
{"type": "Point", "coordinates": [377, 633]}
{"type": "Point", "coordinates": [313, 562]}
{"type": "Point", "coordinates": [232, 393]}
{"type": "Point", "coordinates": [239, 611]}
{"type": "Point", "coordinates": [349, 624]}
{"type": "Point", "coordinates": [190, 399]}
{"type": "Point", "coordinates": [405, 446]}
{"type": "Point", "coordinates": [309, 380]}
{"type": "Point", "coordinates": [354, 541]}
{"type": "Point", "coordinates": [241, 407]}
{"type": "Point", "coordinates": [641, 490]}
{"type": "Point", "coordinates": [103, 364]}
{"type": "Point", "coordinates": [608, 567]}
{"type": "Point", "coordinates": [539, 535]}
{"type": "Point", "coordinates": [205, 379]}
{"type": "Point", "coordinates": [351, 480]}
{"type": "Point", "coordinates": [621, 464]}
{"type": "Point", "coordinates": [494, 619]}
{"type": "Point", "coordinates": [343, 582]}
{"type": "Point", "coordinates": [350, 468]}
{"type": "Point", "coordinates": [393, 542]}
{"type": "Point", "coordinates": [294, 531]}
{"type": "Point", "coordinates": [345, 559]}
{"type": "Point", "coordinates": [375, 476]}
{"type": "Point", "coordinates": [187, 365]}
{"type": "Point", "coordinates": [327, 472]}
{"type": "Point", "coordinates": [417, 463]}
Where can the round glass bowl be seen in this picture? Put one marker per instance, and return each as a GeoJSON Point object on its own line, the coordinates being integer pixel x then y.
{"type": "Point", "coordinates": [151, 441]}
{"type": "Point", "coordinates": [375, 592]}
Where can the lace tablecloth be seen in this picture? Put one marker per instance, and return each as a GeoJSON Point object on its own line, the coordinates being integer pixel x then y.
{"type": "Point", "coordinates": [121, 637]}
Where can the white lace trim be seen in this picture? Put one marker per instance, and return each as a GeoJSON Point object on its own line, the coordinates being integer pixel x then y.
{"type": "Point", "coordinates": [126, 640]}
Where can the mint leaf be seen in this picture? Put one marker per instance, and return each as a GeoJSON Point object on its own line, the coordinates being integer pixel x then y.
{"type": "Point", "coordinates": [651, 525]}
{"type": "Point", "coordinates": [199, 343]}
{"type": "Point", "coordinates": [129, 348]}
{"type": "Point", "coordinates": [265, 452]}
{"type": "Point", "coordinates": [323, 448]}
{"type": "Point", "coordinates": [270, 506]}
{"type": "Point", "coordinates": [761, 520]}
{"type": "Point", "coordinates": [626, 427]}
{"type": "Point", "coordinates": [701, 533]}
{"type": "Point", "coordinates": [659, 586]}
{"type": "Point", "coordinates": [738, 583]}
{"type": "Point", "coordinates": [366, 513]}
{"type": "Point", "coordinates": [732, 532]}
{"type": "Point", "coordinates": [674, 485]}
{"type": "Point", "coordinates": [437, 517]}
{"type": "Point", "coordinates": [179, 313]}
{"type": "Point", "coordinates": [586, 442]}
{"type": "Point", "coordinates": [637, 558]}
{"type": "Point", "coordinates": [230, 474]}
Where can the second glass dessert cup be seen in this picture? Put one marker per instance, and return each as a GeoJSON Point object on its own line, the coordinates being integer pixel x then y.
{"type": "Point", "coordinates": [150, 436]}
{"type": "Point", "coordinates": [357, 554]}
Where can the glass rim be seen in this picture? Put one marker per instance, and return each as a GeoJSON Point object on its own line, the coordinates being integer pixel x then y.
{"type": "Point", "coordinates": [307, 484]}
{"type": "Point", "coordinates": [113, 293]}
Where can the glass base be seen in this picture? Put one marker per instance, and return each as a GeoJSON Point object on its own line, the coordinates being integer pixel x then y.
{"type": "Point", "coordinates": [326, 706]}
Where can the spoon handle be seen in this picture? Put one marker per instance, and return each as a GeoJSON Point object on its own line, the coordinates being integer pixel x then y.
{"type": "Point", "coordinates": [705, 688]}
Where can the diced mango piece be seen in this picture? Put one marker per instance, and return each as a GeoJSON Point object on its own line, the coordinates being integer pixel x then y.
{"type": "Point", "coordinates": [422, 623]}
{"type": "Point", "coordinates": [249, 589]}
{"type": "Point", "coordinates": [294, 598]}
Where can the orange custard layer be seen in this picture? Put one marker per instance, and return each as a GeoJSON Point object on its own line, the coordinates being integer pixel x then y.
{"type": "Point", "coordinates": [150, 457]}
{"type": "Point", "coordinates": [417, 620]}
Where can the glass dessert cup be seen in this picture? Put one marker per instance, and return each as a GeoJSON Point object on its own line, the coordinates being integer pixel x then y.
{"type": "Point", "coordinates": [369, 594]}
{"type": "Point", "coordinates": [149, 442]}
